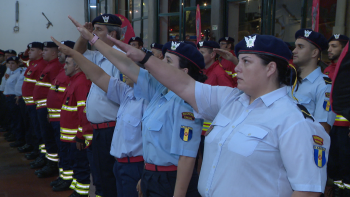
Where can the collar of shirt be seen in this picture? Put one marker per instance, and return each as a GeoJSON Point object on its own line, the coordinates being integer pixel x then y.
{"type": "Point", "coordinates": [214, 65]}
{"type": "Point", "coordinates": [313, 75]}
{"type": "Point", "coordinates": [32, 62]}
{"type": "Point", "coordinates": [267, 99]}
{"type": "Point", "coordinates": [168, 95]}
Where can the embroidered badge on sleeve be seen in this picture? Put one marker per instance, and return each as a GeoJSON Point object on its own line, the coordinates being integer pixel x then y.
{"type": "Point", "coordinates": [186, 133]}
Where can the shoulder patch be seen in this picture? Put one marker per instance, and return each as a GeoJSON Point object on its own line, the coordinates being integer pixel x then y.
{"type": "Point", "coordinates": [317, 139]}
{"type": "Point", "coordinates": [305, 112]}
{"type": "Point", "coordinates": [187, 115]}
{"type": "Point", "coordinates": [327, 80]}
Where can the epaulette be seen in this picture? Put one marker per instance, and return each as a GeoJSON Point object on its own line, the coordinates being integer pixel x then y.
{"type": "Point", "coordinates": [305, 112]}
{"type": "Point", "coordinates": [327, 80]}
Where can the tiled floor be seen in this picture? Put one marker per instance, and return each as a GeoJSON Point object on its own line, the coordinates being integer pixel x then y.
{"type": "Point", "coordinates": [18, 180]}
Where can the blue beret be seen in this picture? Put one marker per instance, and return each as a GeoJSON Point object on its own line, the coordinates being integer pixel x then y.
{"type": "Point", "coordinates": [135, 39]}
{"type": "Point", "coordinates": [312, 37]}
{"type": "Point", "coordinates": [68, 43]}
{"type": "Point", "coordinates": [339, 37]}
{"type": "Point", "coordinates": [11, 51]}
{"type": "Point", "coordinates": [38, 45]}
{"type": "Point", "coordinates": [227, 39]}
{"type": "Point", "coordinates": [156, 46]}
{"type": "Point", "coordinates": [264, 44]}
{"type": "Point", "coordinates": [49, 44]}
{"type": "Point", "coordinates": [13, 58]}
{"type": "Point", "coordinates": [185, 50]}
{"type": "Point", "coordinates": [107, 19]}
{"type": "Point", "coordinates": [208, 44]}
{"type": "Point", "coordinates": [2, 52]}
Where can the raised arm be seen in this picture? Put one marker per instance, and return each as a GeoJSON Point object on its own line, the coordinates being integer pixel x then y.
{"type": "Point", "coordinates": [81, 43]}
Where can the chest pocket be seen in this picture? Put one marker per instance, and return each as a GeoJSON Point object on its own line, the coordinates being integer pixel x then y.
{"type": "Point", "coordinates": [307, 102]}
{"type": "Point", "coordinates": [154, 125]}
{"type": "Point", "coordinates": [245, 140]}
{"type": "Point", "coordinates": [219, 123]}
{"type": "Point", "coordinates": [130, 127]}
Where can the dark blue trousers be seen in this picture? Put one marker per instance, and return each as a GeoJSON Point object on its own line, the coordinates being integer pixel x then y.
{"type": "Point", "coordinates": [93, 169]}
{"type": "Point", "coordinates": [64, 155]}
{"type": "Point", "coordinates": [34, 123]}
{"type": "Point", "coordinates": [47, 132]}
{"type": "Point", "coordinates": [104, 161]}
{"type": "Point", "coordinates": [80, 164]}
{"type": "Point", "coordinates": [25, 121]}
{"type": "Point", "coordinates": [4, 116]}
{"type": "Point", "coordinates": [56, 129]}
{"type": "Point", "coordinates": [127, 176]}
{"type": "Point", "coordinates": [15, 117]}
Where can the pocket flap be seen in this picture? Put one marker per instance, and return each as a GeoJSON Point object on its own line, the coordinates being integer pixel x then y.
{"type": "Point", "coordinates": [253, 131]}
{"type": "Point", "coordinates": [221, 120]}
{"type": "Point", "coordinates": [154, 125]}
{"type": "Point", "coordinates": [131, 120]}
{"type": "Point", "coordinates": [304, 99]}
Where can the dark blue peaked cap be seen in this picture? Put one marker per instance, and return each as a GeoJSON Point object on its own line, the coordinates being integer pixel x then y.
{"type": "Point", "coordinates": [156, 46]}
{"type": "Point", "coordinates": [339, 37]}
{"type": "Point", "coordinates": [68, 43]}
{"type": "Point", "coordinates": [208, 44]}
{"type": "Point", "coordinates": [264, 44]}
{"type": "Point", "coordinates": [38, 45]}
{"type": "Point", "coordinates": [312, 37]}
{"type": "Point", "coordinates": [11, 51]}
{"type": "Point", "coordinates": [13, 58]}
{"type": "Point", "coordinates": [107, 19]}
{"type": "Point", "coordinates": [49, 44]}
{"type": "Point", "coordinates": [185, 50]}
{"type": "Point", "coordinates": [228, 39]}
{"type": "Point", "coordinates": [135, 39]}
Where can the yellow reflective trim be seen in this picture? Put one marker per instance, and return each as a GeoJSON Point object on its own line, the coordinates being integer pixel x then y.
{"type": "Point", "coordinates": [88, 136]}
{"type": "Point", "coordinates": [61, 169]}
{"type": "Point", "coordinates": [341, 118]}
{"type": "Point", "coordinates": [29, 80]}
{"type": "Point", "coordinates": [54, 110]}
{"type": "Point", "coordinates": [234, 75]}
{"type": "Point", "coordinates": [29, 101]}
{"type": "Point", "coordinates": [27, 97]}
{"type": "Point", "coordinates": [41, 146]}
{"type": "Point", "coordinates": [40, 105]}
{"type": "Point", "coordinates": [81, 103]}
{"type": "Point", "coordinates": [82, 186]}
{"type": "Point", "coordinates": [60, 89]}
{"type": "Point", "coordinates": [52, 155]}
{"type": "Point", "coordinates": [52, 115]}
{"type": "Point", "coordinates": [68, 172]}
{"type": "Point", "coordinates": [69, 177]}
{"type": "Point", "coordinates": [80, 129]}
{"type": "Point", "coordinates": [41, 101]}
{"type": "Point", "coordinates": [68, 131]}
{"type": "Point", "coordinates": [39, 83]}
{"type": "Point", "coordinates": [43, 151]}
{"type": "Point", "coordinates": [82, 192]}
{"type": "Point", "coordinates": [69, 108]}
{"type": "Point", "coordinates": [67, 137]}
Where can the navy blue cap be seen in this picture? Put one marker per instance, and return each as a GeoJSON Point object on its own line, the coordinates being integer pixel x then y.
{"type": "Point", "coordinates": [227, 39]}
{"type": "Point", "coordinates": [156, 46]}
{"type": "Point", "coordinates": [339, 37]}
{"type": "Point", "coordinates": [189, 42]}
{"type": "Point", "coordinates": [13, 58]}
{"type": "Point", "coordinates": [11, 51]}
{"type": "Point", "coordinates": [68, 43]}
{"type": "Point", "coordinates": [107, 19]}
{"type": "Point", "coordinates": [49, 44]}
{"type": "Point", "coordinates": [208, 44]}
{"type": "Point", "coordinates": [2, 52]}
{"type": "Point", "coordinates": [38, 45]}
{"type": "Point", "coordinates": [312, 37]}
{"type": "Point", "coordinates": [135, 39]}
{"type": "Point", "coordinates": [264, 44]}
{"type": "Point", "coordinates": [185, 50]}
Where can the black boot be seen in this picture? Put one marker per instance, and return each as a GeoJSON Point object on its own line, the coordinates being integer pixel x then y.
{"type": "Point", "coordinates": [75, 194]}
{"type": "Point", "coordinates": [40, 162]}
{"type": "Point", "coordinates": [17, 143]}
{"type": "Point", "coordinates": [50, 169]}
{"type": "Point", "coordinates": [337, 191]}
{"type": "Point", "coordinates": [11, 138]}
{"type": "Point", "coordinates": [346, 192]}
{"type": "Point", "coordinates": [33, 155]}
{"type": "Point", "coordinates": [26, 148]}
{"type": "Point", "coordinates": [62, 186]}
{"type": "Point", "coordinates": [55, 182]}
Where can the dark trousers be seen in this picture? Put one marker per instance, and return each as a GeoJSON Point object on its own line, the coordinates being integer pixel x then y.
{"type": "Point", "coordinates": [339, 154]}
{"type": "Point", "coordinates": [127, 176]}
{"type": "Point", "coordinates": [34, 123]}
{"type": "Point", "coordinates": [162, 184]}
{"type": "Point", "coordinates": [26, 127]}
{"type": "Point", "coordinates": [15, 117]}
{"type": "Point", "coordinates": [47, 132]}
{"type": "Point", "coordinates": [4, 116]}
{"type": "Point", "coordinates": [93, 169]}
{"type": "Point", "coordinates": [104, 161]}
{"type": "Point", "coordinates": [64, 156]}
{"type": "Point", "coordinates": [80, 164]}
{"type": "Point", "coordinates": [56, 130]}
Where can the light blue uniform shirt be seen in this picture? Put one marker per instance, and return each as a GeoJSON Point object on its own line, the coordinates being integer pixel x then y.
{"type": "Point", "coordinates": [127, 136]}
{"type": "Point", "coordinates": [99, 108]}
{"type": "Point", "coordinates": [312, 94]}
{"type": "Point", "coordinates": [3, 80]}
{"type": "Point", "coordinates": [265, 148]}
{"type": "Point", "coordinates": [164, 122]}
{"type": "Point", "coordinates": [12, 81]}
{"type": "Point", "coordinates": [19, 84]}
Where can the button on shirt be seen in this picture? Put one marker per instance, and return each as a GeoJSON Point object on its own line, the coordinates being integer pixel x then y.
{"type": "Point", "coordinates": [99, 108]}
{"type": "Point", "coordinates": [18, 86]}
{"type": "Point", "coordinates": [265, 148]}
{"type": "Point", "coordinates": [127, 138]}
{"type": "Point", "coordinates": [312, 94]}
{"type": "Point", "coordinates": [163, 123]}
{"type": "Point", "coordinates": [11, 81]}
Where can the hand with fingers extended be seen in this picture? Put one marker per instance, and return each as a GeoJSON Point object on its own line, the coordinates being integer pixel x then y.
{"type": "Point", "coordinates": [89, 27]}
{"type": "Point", "coordinates": [133, 53]}
{"type": "Point", "coordinates": [63, 48]}
{"type": "Point", "coordinates": [85, 31]}
{"type": "Point", "coordinates": [225, 54]}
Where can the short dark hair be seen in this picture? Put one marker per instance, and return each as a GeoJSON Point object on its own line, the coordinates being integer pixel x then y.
{"type": "Point", "coordinates": [193, 70]}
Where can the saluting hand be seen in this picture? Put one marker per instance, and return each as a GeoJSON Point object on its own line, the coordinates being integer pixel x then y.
{"type": "Point", "coordinates": [63, 48]}
{"type": "Point", "coordinates": [85, 31]}
{"type": "Point", "coordinates": [131, 52]}
{"type": "Point", "coordinates": [225, 54]}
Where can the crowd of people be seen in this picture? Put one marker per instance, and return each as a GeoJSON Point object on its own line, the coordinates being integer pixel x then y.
{"type": "Point", "coordinates": [212, 119]}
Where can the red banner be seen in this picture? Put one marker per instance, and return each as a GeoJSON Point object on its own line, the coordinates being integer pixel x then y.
{"type": "Point", "coordinates": [315, 15]}
{"type": "Point", "coordinates": [128, 31]}
{"type": "Point", "coordinates": [198, 24]}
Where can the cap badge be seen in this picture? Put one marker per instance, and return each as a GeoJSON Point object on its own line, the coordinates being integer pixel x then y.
{"type": "Point", "coordinates": [133, 38]}
{"type": "Point", "coordinates": [307, 33]}
{"type": "Point", "coordinates": [200, 44]}
{"type": "Point", "coordinates": [10, 51]}
{"type": "Point", "coordinates": [226, 38]}
{"type": "Point", "coordinates": [14, 58]}
{"type": "Point", "coordinates": [336, 36]}
{"type": "Point", "coordinates": [62, 42]}
{"type": "Point", "coordinates": [174, 45]}
{"type": "Point", "coordinates": [105, 18]}
{"type": "Point", "coordinates": [153, 45]}
{"type": "Point", "coordinates": [30, 45]}
{"type": "Point", "coordinates": [45, 44]}
{"type": "Point", "coordinates": [250, 41]}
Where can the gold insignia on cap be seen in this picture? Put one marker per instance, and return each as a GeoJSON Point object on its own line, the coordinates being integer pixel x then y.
{"type": "Point", "coordinates": [105, 19]}
{"type": "Point", "coordinates": [174, 45]}
{"type": "Point", "coordinates": [250, 41]}
{"type": "Point", "coordinates": [307, 33]}
{"type": "Point", "coordinates": [336, 36]}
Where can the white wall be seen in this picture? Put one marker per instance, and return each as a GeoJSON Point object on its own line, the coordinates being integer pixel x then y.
{"type": "Point", "coordinates": [32, 24]}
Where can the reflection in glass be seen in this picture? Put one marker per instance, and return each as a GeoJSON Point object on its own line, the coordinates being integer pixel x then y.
{"type": "Point", "coordinates": [193, 3]}
{"type": "Point", "coordinates": [190, 23]}
{"type": "Point", "coordinates": [145, 33]}
{"type": "Point", "coordinates": [137, 28]}
{"type": "Point", "coordinates": [169, 28]}
{"type": "Point", "coordinates": [166, 6]}
{"type": "Point", "coordinates": [137, 9]}
{"type": "Point", "coordinates": [145, 8]}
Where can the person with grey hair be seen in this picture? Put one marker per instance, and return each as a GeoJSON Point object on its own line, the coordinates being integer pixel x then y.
{"type": "Point", "coordinates": [101, 111]}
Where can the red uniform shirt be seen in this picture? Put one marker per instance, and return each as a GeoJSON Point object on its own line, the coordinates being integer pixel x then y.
{"type": "Point", "coordinates": [31, 75]}
{"type": "Point", "coordinates": [330, 70]}
{"type": "Point", "coordinates": [229, 67]}
{"type": "Point", "coordinates": [73, 115]}
{"type": "Point", "coordinates": [217, 75]}
{"type": "Point", "coordinates": [56, 94]}
{"type": "Point", "coordinates": [44, 82]}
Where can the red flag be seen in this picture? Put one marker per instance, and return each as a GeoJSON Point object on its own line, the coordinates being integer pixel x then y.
{"type": "Point", "coordinates": [198, 24]}
{"type": "Point", "coordinates": [315, 15]}
{"type": "Point", "coordinates": [128, 31]}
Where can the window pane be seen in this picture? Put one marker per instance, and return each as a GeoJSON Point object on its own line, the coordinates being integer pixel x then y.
{"type": "Point", "coordinates": [137, 28]}
{"type": "Point", "coordinates": [145, 33]}
{"type": "Point", "coordinates": [288, 19]}
{"type": "Point", "coordinates": [193, 3]}
{"type": "Point", "coordinates": [137, 9]}
{"type": "Point", "coordinates": [145, 8]}
{"type": "Point", "coordinates": [166, 6]}
{"type": "Point", "coordinates": [190, 23]}
{"type": "Point", "coordinates": [169, 28]}
{"type": "Point", "coordinates": [244, 18]}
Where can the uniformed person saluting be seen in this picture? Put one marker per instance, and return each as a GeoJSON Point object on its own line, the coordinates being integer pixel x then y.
{"type": "Point", "coordinates": [227, 44]}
